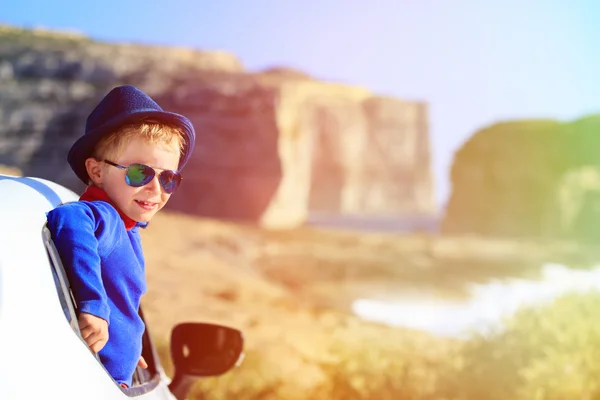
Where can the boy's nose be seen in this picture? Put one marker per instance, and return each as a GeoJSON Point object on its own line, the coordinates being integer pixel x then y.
{"type": "Point", "coordinates": [154, 185]}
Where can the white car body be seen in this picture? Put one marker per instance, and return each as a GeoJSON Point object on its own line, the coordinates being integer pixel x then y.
{"type": "Point", "coordinates": [41, 357]}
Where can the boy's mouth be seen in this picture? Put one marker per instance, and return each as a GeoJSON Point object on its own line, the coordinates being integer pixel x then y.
{"type": "Point", "coordinates": [146, 205]}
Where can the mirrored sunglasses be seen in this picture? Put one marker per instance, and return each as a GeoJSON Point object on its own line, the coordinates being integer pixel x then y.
{"type": "Point", "coordinates": [137, 175]}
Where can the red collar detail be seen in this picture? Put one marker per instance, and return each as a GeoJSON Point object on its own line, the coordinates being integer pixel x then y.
{"type": "Point", "coordinates": [94, 193]}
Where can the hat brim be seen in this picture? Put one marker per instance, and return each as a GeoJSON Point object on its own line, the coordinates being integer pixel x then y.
{"type": "Point", "coordinates": [83, 148]}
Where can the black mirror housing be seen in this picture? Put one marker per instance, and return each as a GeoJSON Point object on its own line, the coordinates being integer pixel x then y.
{"type": "Point", "coordinates": [201, 350]}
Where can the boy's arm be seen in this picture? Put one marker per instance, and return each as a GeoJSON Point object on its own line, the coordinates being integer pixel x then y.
{"type": "Point", "coordinates": [73, 227]}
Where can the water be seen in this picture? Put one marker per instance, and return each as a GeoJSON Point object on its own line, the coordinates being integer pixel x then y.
{"type": "Point", "coordinates": [379, 224]}
{"type": "Point", "coordinates": [486, 308]}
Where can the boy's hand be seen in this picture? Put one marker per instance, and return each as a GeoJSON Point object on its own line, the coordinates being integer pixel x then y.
{"type": "Point", "coordinates": [94, 331]}
{"type": "Point", "coordinates": [142, 363]}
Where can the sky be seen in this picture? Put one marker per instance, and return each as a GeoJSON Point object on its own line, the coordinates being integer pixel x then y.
{"type": "Point", "coordinates": [475, 62]}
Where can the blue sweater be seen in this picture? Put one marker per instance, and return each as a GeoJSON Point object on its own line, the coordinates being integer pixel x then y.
{"type": "Point", "coordinates": [105, 265]}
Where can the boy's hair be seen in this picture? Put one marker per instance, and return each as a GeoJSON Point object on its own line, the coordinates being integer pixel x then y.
{"type": "Point", "coordinates": [158, 133]}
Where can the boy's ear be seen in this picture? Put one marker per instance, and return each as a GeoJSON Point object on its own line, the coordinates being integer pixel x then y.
{"type": "Point", "coordinates": [94, 170]}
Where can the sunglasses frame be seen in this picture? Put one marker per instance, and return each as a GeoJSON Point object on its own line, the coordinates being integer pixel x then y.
{"type": "Point", "coordinates": [126, 169]}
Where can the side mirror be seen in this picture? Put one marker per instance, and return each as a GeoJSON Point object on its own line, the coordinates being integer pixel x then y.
{"type": "Point", "coordinates": [200, 350]}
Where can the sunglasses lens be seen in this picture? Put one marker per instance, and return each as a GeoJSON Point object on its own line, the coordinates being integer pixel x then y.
{"type": "Point", "coordinates": [138, 175]}
{"type": "Point", "coordinates": [169, 180]}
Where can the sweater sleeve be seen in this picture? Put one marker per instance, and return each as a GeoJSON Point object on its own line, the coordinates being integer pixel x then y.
{"type": "Point", "coordinates": [73, 227]}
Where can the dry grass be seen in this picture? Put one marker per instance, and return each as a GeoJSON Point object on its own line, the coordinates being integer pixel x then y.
{"type": "Point", "coordinates": [211, 271]}
{"type": "Point", "coordinates": [289, 292]}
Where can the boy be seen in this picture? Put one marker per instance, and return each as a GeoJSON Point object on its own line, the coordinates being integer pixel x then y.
{"type": "Point", "coordinates": [130, 157]}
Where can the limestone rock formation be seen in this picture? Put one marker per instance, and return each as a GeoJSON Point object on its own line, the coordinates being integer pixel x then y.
{"type": "Point", "coordinates": [528, 178]}
{"type": "Point", "coordinates": [272, 146]}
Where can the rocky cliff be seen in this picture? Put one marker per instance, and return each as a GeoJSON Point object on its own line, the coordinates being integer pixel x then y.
{"type": "Point", "coordinates": [271, 146]}
{"type": "Point", "coordinates": [528, 178]}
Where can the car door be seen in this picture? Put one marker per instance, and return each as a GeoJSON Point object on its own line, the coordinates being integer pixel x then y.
{"type": "Point", "coordinates": [150, 383]}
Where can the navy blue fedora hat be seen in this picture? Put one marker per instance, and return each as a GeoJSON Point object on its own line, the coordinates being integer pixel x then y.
{"type": "Point", "coordinates": [121, 106]}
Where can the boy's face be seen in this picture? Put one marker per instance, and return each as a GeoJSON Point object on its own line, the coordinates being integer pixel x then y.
{"type": "Point", "coordinates": [138, 203]}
